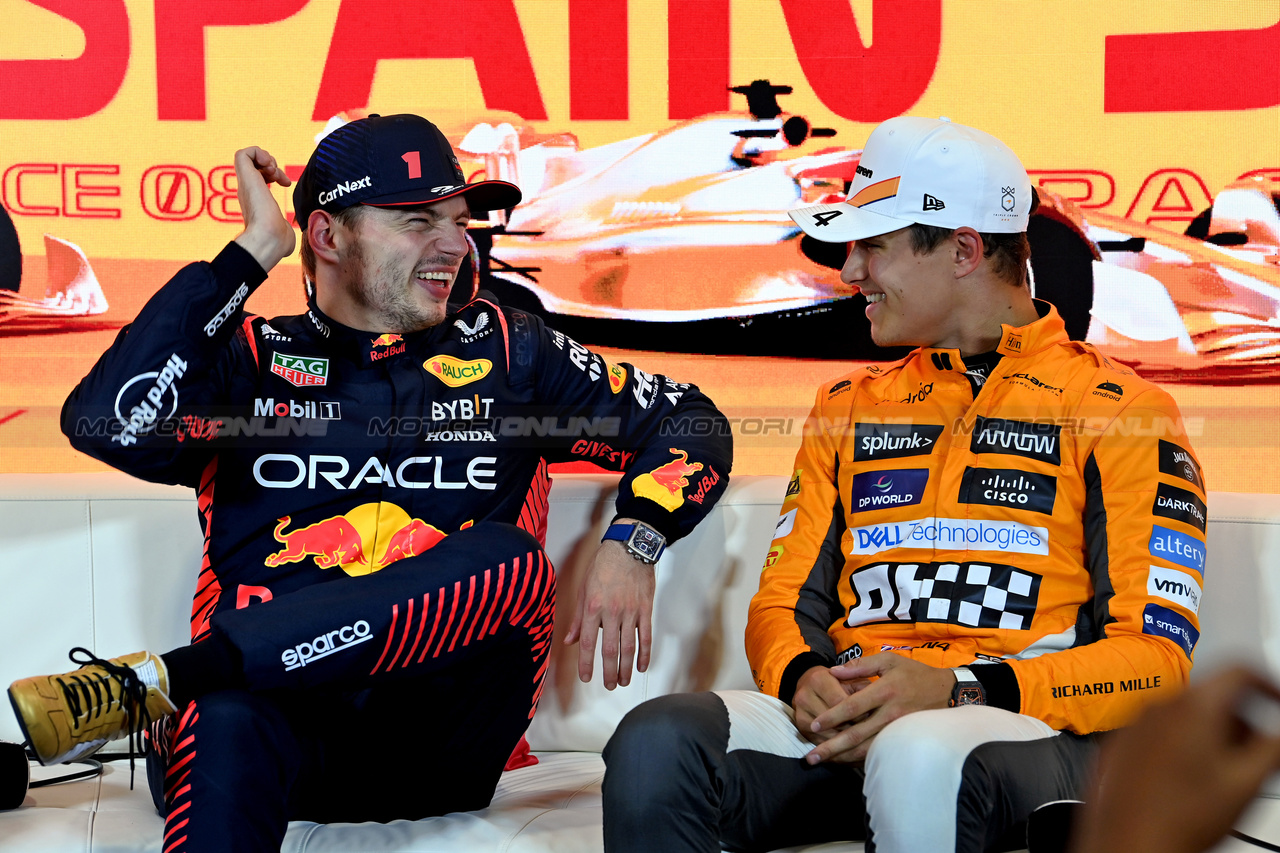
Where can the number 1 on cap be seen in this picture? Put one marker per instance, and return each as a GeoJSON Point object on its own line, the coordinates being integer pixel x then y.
{"type": "Point", "coordinates": [413, 160]}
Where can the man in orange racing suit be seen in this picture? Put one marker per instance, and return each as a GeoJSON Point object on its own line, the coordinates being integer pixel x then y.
{"type": "Point", "coordinates": [988, 552]}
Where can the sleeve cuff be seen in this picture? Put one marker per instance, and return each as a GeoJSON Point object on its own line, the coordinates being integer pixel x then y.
{"type": "Point", "coordinates": [999, 684]}
{"type": "Point", "coordinates": [234, 265]}
{"type": "Point", "coordinates": [799, 665]}
{"type": "Point", "coordinates": [643, 509]}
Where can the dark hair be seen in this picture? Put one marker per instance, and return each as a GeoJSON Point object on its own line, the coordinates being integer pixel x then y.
{"type": "Point", "coordinates": [1009, 253]}
{"type": "Point", "coordinates": [347, 217]}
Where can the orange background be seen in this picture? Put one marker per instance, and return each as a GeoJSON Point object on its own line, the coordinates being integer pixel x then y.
{"type": "Point", "coordinates": [1035, 74]}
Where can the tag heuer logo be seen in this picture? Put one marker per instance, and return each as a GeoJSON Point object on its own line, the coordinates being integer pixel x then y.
{"type": "Point", "coordinates": [302, 371]}
{"type": "Point", "coordinates": [455, 372]}
{"type": "Point", "coordinates": [931, 203]}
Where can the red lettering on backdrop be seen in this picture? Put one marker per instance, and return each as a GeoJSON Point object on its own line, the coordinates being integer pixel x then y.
{"type": "Point", "coordinates": [598, 60]}
{"type": "Point", "coordinates": [697, 57]}
{"type": "Point", "coordinates": [866, 83]}
{"type": "Point", "coordinates": [1088, 188]}
{"type": "Point", "coordinates": [1215, 70]}
{"type": "Point", "coordinates": [60, 89]}
{"type": "Point", "coordinates": [75, 191]}
{"type": "Point", "coordinates": [13, 189]}
{"type": "Point", "coordinates": [1271, 175]}
{"type": "Point", "coordinates": [172, 192]}
{"type": "Point", "coordinates": [180, 26]}
{"type": "Point", "coordinates": [1170, 195]}
{"type": "Point", "coordinates": [489, 33]}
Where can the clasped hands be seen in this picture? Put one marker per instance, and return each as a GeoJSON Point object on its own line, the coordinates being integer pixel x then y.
{"type": "Point", "coordinates": [840, 709]}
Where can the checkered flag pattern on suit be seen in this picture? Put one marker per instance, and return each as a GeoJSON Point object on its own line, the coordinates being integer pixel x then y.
{"type": "Point", "coordinates": [977, 595]}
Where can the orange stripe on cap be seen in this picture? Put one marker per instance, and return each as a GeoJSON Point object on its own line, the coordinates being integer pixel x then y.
{"type": "Point", "coordinates": [875, 192]}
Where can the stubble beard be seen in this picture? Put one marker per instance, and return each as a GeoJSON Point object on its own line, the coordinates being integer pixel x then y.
{"type": "Point", "coordinates": [388, 293]}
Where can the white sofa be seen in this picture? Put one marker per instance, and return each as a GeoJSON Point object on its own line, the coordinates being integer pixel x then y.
{"type": "Point", "coordinates": [108, 562]}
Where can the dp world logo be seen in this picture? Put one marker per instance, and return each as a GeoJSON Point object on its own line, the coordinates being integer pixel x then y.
{"type": "Point", "coordinates": [882, 489]}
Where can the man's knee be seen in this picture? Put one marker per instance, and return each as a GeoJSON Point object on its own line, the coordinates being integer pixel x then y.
{"type": "Point", "coordinates": [235, 720]}
{"type": "Point", "coordinates": [665, 744]}
{"type": "Point", "coordinates": [922, 742]}
{"type": "Point", "coordinates": [505, 538]}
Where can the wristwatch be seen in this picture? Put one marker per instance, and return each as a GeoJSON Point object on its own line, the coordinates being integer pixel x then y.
{"type": "Point", "coordinates": [644, 543]}
{"type": "Point", "coordinates": [967, 690]}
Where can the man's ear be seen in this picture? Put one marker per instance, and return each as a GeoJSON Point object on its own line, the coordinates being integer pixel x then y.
{"type": "Point", "coordinates": [968, 246]}
{"type": "Point", "coordinates": [321, 235]}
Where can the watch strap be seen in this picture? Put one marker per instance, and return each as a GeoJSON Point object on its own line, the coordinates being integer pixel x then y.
{"type": "Point", "coordinates": [967, 690]}
{"type": "Point", "coordinates": [642, 541]}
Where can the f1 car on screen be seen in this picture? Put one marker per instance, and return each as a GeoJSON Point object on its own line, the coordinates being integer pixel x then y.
{"type": "Point", "coordinates": [684, 224]}
{"type": "Point", "coordinates": [1200, 306]}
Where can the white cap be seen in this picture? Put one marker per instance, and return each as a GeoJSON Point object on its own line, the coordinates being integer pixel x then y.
{"type": "Point", "coordinates": [929, 171]}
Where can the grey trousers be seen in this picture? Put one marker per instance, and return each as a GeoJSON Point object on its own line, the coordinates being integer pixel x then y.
{"type": "Point", "coordinates": [702, 772]}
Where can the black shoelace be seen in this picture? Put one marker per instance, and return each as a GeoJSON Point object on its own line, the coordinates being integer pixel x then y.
{"type": "Point", "coordinates": [93, 696]}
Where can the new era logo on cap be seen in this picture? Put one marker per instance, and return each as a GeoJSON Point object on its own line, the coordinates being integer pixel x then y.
{"type": "Point", "coordinates": [390, 161]}
{"type": "Point", "coordinates": [931, 172]}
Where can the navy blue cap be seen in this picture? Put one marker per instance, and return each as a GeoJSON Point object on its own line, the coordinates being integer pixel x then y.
{"type": "Point", "coordinates": [387, 161]}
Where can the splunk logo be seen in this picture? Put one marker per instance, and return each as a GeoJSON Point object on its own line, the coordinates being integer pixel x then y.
{"type": "Point", "coordinates": [326, 644]}
{"type": "Point", "coordinates": [891, 441]}
{"type": "Point", "coordinates": [950, 533]}
{"type": "Point", "coordinates": [883, 489]}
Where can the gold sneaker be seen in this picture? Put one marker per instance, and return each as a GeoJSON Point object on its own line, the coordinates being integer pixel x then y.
{"type": "Point", "coordinates": [70, 716]}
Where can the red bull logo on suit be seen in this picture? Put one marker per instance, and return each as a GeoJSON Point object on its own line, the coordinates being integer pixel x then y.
{"type": "Point", "coordinates": [361, 541]}
{"type": "Point", "coordinates": [665, 484]}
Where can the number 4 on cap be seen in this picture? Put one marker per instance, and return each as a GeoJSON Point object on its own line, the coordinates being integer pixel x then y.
{"type": "Point", "coordinates": [826, 216]}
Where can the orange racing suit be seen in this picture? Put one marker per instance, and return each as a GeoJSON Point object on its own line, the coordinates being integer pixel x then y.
{"type": "Point", "coordinates": [1050, 530]}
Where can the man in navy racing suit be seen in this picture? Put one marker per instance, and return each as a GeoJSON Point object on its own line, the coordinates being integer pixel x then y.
{"type": "Point", "coordinates": [372, 484]}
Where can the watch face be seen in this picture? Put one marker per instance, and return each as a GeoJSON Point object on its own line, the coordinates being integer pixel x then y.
{"type": "Point", "coordinates": [968, 694]}
{"type": "Point", "coordinates": [646, 543]}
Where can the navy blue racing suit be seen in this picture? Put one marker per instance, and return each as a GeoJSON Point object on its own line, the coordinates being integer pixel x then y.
{"type": "Point", "coordinates": [359, 495]}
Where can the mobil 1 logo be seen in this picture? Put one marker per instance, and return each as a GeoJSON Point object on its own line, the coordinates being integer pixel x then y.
{"type": "Point", "coordinates": [1009, 487]}
{"type": "Point", "coordinates": [1180, 505]}
{"type": "Point", "coordinates": [893, 441]}
{"type": "Point", "coordinates": [1180, 463]}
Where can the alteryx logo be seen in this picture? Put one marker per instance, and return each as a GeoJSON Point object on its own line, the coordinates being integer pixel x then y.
{"type": "Point", "coordinates": [884, 489]}
{"type": "Point", "coordinates": [1177, 548]}
{"type": "Point", "coordinates": [1163, 622]}
{"type": "Point", "coordinates": [961, 534]}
